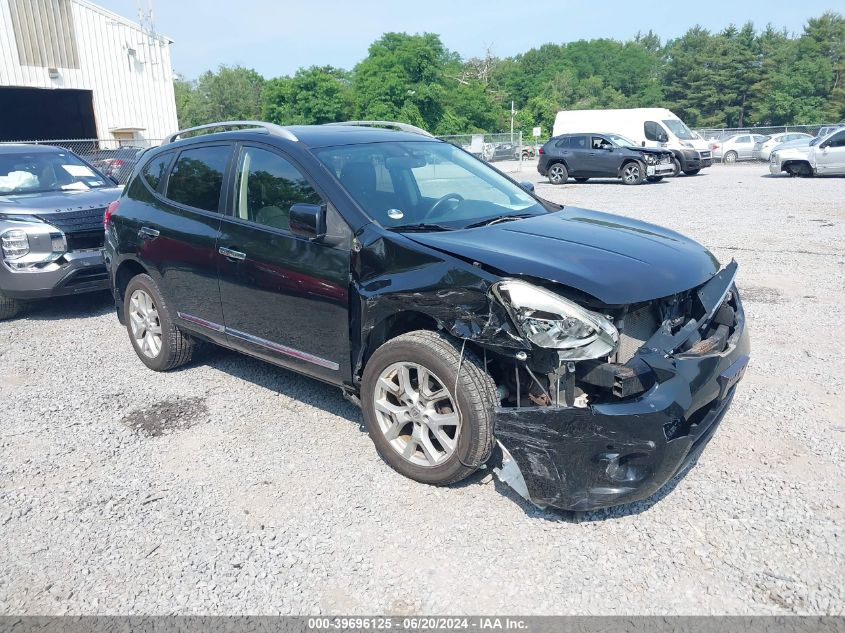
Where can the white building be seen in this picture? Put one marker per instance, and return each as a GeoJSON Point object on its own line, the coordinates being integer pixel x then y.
{"type": "Point", "coordinates": [72, 70]}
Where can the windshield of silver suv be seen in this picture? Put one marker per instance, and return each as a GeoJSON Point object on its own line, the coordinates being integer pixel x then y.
{"type": "Point", "coordinates": [425, 185]}
{"type": "Point", "coordinates": [40, 172]}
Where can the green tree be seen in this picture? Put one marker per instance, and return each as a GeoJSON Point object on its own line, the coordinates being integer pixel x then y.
{"type": "Point", "coordinates": [232, 93]}
{"type": "Point", "coordinates": [312, 96]}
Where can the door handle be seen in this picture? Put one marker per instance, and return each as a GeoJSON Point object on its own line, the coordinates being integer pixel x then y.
{"type": "Point", "coordinates": [230, 254]}
{"type": "Point", "coordinates": [146, 233]}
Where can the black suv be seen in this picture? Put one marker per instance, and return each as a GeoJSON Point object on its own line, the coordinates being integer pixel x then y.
{"type": "Point", "coordinates": [585, 156]}
{"type": "Point", "coordinates": [587, 357]}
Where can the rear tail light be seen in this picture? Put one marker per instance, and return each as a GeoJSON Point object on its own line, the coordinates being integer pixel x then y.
{"type": "Point", "coordinates": [107, 216]}
{"type": "Point", "coordinates": [540, 151]}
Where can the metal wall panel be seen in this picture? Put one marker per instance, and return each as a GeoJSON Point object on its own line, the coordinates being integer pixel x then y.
{"type": "Point", "coordinates": [44, 33]}
{"type": "Point", "coordinates": [127, 68]}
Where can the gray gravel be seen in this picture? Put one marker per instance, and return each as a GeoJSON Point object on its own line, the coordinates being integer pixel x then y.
{"type": "Point", "coordinates": [235, 487]}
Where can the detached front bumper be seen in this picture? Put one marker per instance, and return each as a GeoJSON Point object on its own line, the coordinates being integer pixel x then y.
{"type": "Point", "coordinates": [74, 273]}
{"type": "Point", "coordinates": [609, 454]}
{"type": "Point", "coordinates": [660, 169]}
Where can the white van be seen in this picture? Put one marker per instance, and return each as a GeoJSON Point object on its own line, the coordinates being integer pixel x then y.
{"type": "Point", "coordinates": [647, 127]}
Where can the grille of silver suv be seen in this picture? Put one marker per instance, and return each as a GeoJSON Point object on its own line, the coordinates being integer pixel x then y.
{"type": "Point", "coordinates": [83, 229]}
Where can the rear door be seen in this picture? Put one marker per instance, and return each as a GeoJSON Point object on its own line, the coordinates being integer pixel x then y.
{"type": "Point", "coordinates": [578, 157]}
{"type": "Point", "coordinates": [285, 298]}
{"type": "Point", "coordinates": [178, 229]}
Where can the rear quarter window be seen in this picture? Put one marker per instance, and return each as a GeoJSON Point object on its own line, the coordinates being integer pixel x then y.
{"type": "Point", "coordinates": [154, 171]}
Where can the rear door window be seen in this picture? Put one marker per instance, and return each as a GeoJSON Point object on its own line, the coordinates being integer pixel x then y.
{"type": "Point", "coordinates": [743, 140]}
{"type": "Point", "coordinates": [579, 142]}
{"type": "Point", "coordinates": [197, 177]}
{"type": "Point", "coordinates": [564, 142]}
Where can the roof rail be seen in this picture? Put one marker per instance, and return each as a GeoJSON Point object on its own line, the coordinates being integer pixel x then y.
{"type": "Point", "coordinates": [259, 126]}
{"type": "Point", "coordinates": [404, 127]}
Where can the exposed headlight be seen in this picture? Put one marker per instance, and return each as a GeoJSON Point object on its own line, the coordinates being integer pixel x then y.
{"type": "Point", "coordinates": [15, 244]}
{"type": "Point", "coordinates": [650, 159]}
{"type": "Point", "coordinates": [548, 320]}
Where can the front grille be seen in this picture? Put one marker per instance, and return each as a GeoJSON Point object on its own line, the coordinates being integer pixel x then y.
{"type": "Point", "coordinates": [83, 229]}
{"type": "Point", "coordinates": [76, 221]}
{"type": "Point", "coordinates": [639, 326]}
{"type": "Point", "coordinates": [704, 154]}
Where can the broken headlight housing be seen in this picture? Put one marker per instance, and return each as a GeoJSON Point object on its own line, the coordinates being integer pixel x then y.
{"type": "Point", "coordinates": [548, 320]}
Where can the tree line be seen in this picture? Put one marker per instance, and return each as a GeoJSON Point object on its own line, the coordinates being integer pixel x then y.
{"type": "Point", "coordinates": [737, 77]}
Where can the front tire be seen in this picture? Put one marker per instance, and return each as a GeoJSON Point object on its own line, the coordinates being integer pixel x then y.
{"type": "Point", "coordinates": [558, 174]}
{"type": "Point", "coordinates": [9, 307]}
{"type": "Point", "coordinates": [677, 165]}
{"type": "Point", "coordinates": [158, 342]}
{"type": "Point", "coordinates": [421, 425]}
{"type": "Point", "coordinates": [632, 173]}
{"type": "Point", "coordinates": [692, 172]}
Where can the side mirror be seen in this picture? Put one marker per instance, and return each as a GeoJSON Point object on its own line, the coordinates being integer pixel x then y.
{"type": "Point", "coordinates": [308, 220]}
{"type": "Point", "coordinates": [528, 186]}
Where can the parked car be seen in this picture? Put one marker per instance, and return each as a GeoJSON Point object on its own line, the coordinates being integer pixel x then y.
{"type": "Point", "coordinates": [471, 320]}
{"type": "Point", "coordinates": [830, 128]}
{"type": "Point", "coordinates": [51, 224]}
{"type": "Point", "coordinates": [822, 156]}
{"type": "Point", "coordinates": [763, 149]}
{"type": "Point", "coordinates": [585, 156]}
{"type": "Point", "coordinates": [658, 128]}
{"type": "Point", "coordinates": [506, 151]}
{"type": "Point", "coordinates": [117, 163]}
{"type": "Point", "coordinates": [736, 147]}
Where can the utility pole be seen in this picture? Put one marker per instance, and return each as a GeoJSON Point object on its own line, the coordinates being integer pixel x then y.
{"type": "Point", "coordinates": [512, 113]}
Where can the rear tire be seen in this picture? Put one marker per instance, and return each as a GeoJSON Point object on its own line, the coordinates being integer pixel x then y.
{"type": "Point", "coordinates": [158, 342]}
{"type": "Point", "coordinates": [730, 157]}
{"type": "Point", "coordinates": [692, 172]}
{"type": "Point", "coordinates": [558, 174]}
{"type": "Point", "coordinates": [9, 307]}
{"type": "Point", "coordinates": [400, 416]}
{"type": "Point", "coordinates": [632, 173]}
{"type": "Point", "coordinates": [582, 180]}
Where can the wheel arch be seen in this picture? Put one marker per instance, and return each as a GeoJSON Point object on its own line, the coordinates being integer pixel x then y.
{"type": "Point", "coordinates": [806, 168]}
{"type": "Point", "coordinates": [127, 269]}
{"type": "Point", "coordinates": [628, 161]}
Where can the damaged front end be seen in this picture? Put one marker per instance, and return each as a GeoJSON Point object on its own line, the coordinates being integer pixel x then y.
{"type": "Point", "coordinates": [610, 404]}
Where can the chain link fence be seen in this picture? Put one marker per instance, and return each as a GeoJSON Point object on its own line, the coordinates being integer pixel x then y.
{"type": "Point", "coordinates": [714, 134]}
{"type": "Point", "coordinates": [115, 158]}
{"type": "Point", "coordinates": [495, 148]}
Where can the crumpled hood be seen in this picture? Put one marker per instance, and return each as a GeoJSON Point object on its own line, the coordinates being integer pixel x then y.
{"type": "Point", "coordinates": [615, 259]}
{"type": "Point", "coordinates": [57, 201]}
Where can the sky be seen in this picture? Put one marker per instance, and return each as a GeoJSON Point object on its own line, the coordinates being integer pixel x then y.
{"type": "Point", "coordinates": [276, 37]}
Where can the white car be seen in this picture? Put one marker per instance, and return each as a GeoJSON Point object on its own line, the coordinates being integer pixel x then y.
{"type": "Point", "coordinates": [825, 155]}
{"type": "Point", "coordinates": [736, 147]}
{"type": "Point", "coordinates": [763, 150]}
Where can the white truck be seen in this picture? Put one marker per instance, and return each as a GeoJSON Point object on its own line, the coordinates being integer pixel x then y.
{"type": "Point", "coordinates": [649, 127]}
{"type": "Point", "coordinates": [825, 155]}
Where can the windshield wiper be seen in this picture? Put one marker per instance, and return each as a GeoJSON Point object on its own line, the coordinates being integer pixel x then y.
{"type": "Point", "coordinates": [422, 226]}
{"type": "Point", "coordinates": [499, 218]}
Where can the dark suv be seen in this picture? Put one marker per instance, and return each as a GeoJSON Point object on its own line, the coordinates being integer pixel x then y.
{"type": "Point", "coordinates": [585, 156]}
{"type": "Point", "coordinates": [587, 357]}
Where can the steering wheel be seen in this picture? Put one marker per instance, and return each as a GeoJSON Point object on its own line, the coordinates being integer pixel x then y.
{"type": "Point", "coordinates": [449, 196]}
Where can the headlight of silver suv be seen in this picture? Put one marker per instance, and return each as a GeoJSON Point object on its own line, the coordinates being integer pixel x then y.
{"type": "Point", "coordinates": [15, 244]}
{"type": "Point", "coordinates": [549, 320]}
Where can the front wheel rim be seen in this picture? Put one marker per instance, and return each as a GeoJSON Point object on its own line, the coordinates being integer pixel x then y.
{"type": "Point", "coordinates": [145, 323]}
{"type": "Point", "coordinates": [632, 173]}
{"type": "Point", "coordinates": [416, 414]}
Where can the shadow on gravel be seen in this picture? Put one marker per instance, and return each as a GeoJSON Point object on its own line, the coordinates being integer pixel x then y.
{"type": "Point", "coordinates": [82, 306]}
{"type": "Point", "coordinates": [298, 387]}
{"type": "Point", "coordinates": [617, 512]}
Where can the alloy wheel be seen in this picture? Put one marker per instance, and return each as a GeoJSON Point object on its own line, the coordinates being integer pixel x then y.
{"type": "Point", "coordinates": [556, 174]}
{"type": "Point", "coordinates": [417, 414]}
{"type": "Point", "coordinates": [145, 323]}
{"type": "Point", "coordinates": [631, 173]}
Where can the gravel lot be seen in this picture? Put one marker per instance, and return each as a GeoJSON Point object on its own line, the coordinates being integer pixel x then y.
{"type": "Point", "coordinates": [231, 486]}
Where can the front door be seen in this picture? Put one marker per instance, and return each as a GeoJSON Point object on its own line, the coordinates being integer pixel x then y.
{"type": "Point", "coordinates": [830, 159]}
{"type": "Point", "coordinates": [285, 298]}
{"type": "Point", "coordinates": [603, 157]}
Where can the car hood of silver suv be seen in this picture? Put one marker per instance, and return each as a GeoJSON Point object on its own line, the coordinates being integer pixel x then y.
{"type": "Point", "coordinates": [57, 201]}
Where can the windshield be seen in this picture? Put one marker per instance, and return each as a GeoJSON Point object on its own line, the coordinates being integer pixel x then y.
{"type": "Point", "coordinates": [402, 184]}
{"type": "Point", "coordinates": [678, 128]}
{"type": "Point", "coordinates": [621, 141]}
{"type": "Point", "coordinates": [37, 172]}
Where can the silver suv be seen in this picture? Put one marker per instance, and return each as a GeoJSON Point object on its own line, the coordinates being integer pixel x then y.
{"type": "Point", "coordinates": [51, 225]}
{"type": "Point", "coordinates": [825, 155]}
